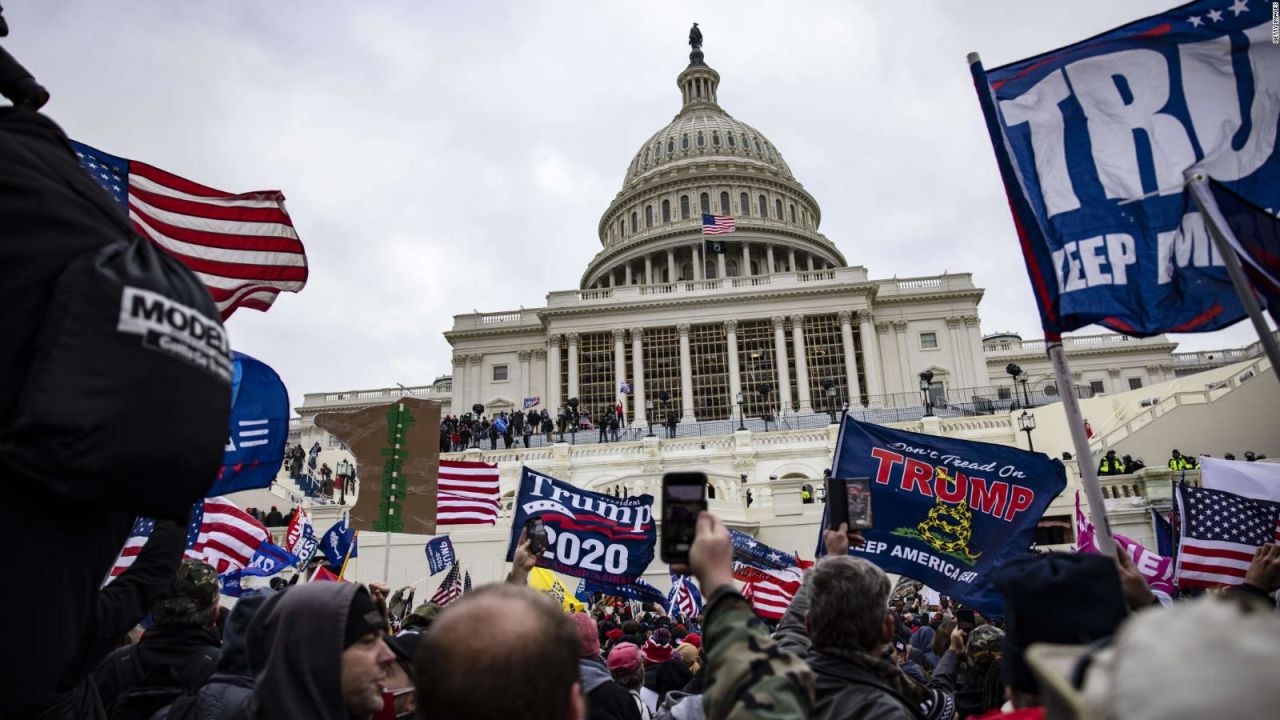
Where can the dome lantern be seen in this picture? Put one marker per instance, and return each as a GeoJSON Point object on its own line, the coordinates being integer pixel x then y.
{"type": "Point", "coordinates": [698, 82]}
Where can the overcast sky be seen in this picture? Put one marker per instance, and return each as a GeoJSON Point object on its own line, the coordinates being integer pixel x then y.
{"type": "Point", "coordinates": [445, 157]}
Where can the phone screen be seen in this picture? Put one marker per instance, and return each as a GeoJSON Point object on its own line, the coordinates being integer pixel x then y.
{"type": "Point", "coordinates": [537, 534]}
{"type": "Point", "coordinates": [965, 619]}
{"type": "Point", "coordinates": [858, 503]}
{"type": "Point", "coordinates": [684, 495]}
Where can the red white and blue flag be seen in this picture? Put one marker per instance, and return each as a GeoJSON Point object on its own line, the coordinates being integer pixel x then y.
{"type": "Point", "coordinates": [452, 587]}
{"type": "Point", "coordinates": [1094, 142]}
{"type": "Point", "coordinates": [467, 493]}
{"type": "Point", "coordinates": [1220, 533]}
{"type": "Point", "coordinates": [223, 535]}
{"type": "Point", "coordinates": [684, 600]}
{"type": "Point", "coordinates": [138, 536]}
{"type": "Point", "coordinates": [717, 225]}
{"type": "Point", "coordinates": [242, 246]}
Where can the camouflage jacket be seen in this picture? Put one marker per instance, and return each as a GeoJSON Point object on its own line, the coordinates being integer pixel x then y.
{"type": "Point", "coordinates": [748, 676]}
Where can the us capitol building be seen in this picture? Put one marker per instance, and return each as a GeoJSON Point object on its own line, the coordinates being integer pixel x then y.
{"type": "Point", "coordinates": [781, 329]}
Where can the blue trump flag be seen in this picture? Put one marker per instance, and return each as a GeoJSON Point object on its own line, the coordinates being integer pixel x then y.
{"type": "Point", "coordinates": [232, 583]}
{"type": "Point", "coordinates": [750, 551]}
{"type": "Point", "coordinates": [638, 590]}
{"type": "Point", "coordinates": [269, 559]}
{"type": "Point", "coordinates": [1093, 141]}
{"type": "Point", "coordinates": [339, 543]}
{"type": "Point", "coordinates": [946, 512]}
{"type": "Point", "coordinates": [593, 536]}
{"type": "Point", "coordinates": [259, 428]}
{"type": "Point", "coordinates": [440, 555]}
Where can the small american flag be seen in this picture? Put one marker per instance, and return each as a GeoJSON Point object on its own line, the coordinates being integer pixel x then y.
{"type": "Point", "coordinates": [451, 589]}
{"type": "Point", "coordinates": [717, 225]}
{"type": "Point", "coordinates": [466, 582]}
{"type": "Point", "coordinates": [142, 529]}
{"type": "Point", "coordinates": [684, 598]}
{"type": "Point", "coordinates": [771, 595]}
{"type": "Point", "coordinates": [223, 535]}
{"type": "Point", "coordinates": [243, 247]}
{"type": "Point", "coordinates": [468, 493]}
{"type": "Point", "coordinates": [1220, 534]}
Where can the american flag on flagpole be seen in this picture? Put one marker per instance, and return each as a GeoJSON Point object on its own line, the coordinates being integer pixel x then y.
{"type": "Point", "coordinates": [770, 595]}
{"type": "Point", "coordinates": [684, 598]}
{"type": "Point", "coordinates": [1220, 532]}
{"type": "Point", "coordinates": [466, 582]}
{"type": "Point", "coordinates": [223, 535]}
{"type": "Point", "coordinates": [717, 225]}
{"type": "Point", "coordinates": [451, 589]}
{"type": "Point", "coordinates": [243, 246]}
{"type": "Point", "coordinates": [468, 493]}
{"type": "Point", "coordinates": [138, 536]}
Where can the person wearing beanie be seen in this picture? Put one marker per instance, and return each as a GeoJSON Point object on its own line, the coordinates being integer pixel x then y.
{"type": "Point", "coordinates": [627, 667]}
{"type": "Point", "coordinates": [606, 699]}
{"type": "Point", "coordinates": [694, 639]}
{"type": "Point", "coordinates": [319, 652]}
{"type": "Point", "coordinates": [1061, 598]}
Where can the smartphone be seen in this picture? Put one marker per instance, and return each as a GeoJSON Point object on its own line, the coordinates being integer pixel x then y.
{"type": "Point", "coordinates": [684, 495]}
{"type": "Point", "coordinates": [849, 501]}
{"type": "Point", "coordinates": [536, 532]}
{"type": "Point", "coordinates": [965, 619]}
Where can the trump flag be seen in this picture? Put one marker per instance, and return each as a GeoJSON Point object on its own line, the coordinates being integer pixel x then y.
{"type": "Point", "coordinates": [947, 512]}
{"type": "Point", "coordinates": [259, 427]}
{"type": "Point", "coordinates": [1093, 141]}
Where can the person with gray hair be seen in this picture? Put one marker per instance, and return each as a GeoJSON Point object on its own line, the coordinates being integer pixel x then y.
{"type": "Point", "coordinates": [840, 623]}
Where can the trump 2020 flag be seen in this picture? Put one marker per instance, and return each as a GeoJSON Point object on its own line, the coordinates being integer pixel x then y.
{"type": "Point", "coordinates": [593, 536]}
{"type": "Point", "coordinates": [440, 555]}
{"type": "Point", "coordinates": [259, 427]}
{"type": "Point", "coordinates": [1093, 141]}
{"type": "Point", "coordinates": [947, 512]}
{"type": "Point", "coordinates": [270, 559]}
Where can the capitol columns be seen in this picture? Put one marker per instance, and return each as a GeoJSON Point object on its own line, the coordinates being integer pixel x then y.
{"type": "Point", "coordinates": [552, 401]}
{"type": "Point", "coordinates": [960, 353]}
{"type": "Point", "coordinates": [802, 365]}
{"type": "Point", "coordinates": [525, 384]}
{"type": "Point", "coordinates": [780, 360]}
{"type": "Point", "coordinates": [745, 270]}
{"type": "Point", "coordinates": [475, 382]}
{"type": "Point", "coordinates": [671, 266]}
{"type": "Point", "coordinates": [572, 339]}
{"type": "Point", "coordinates": [870, 333]}
{"type": "Point", "coordinates": [852, 389]}
{"type": "Point", "coordinates": [768, 258]}
{"type": "Point", "coordinates": [904, 358]}
{"type": "Point", "coordinates": [459, 382]}
{"type": "Point", "coordinates": [731, 347]}
{"type": "Point", "coordinates": [686, 375]}
{"type": "Point", "coordinates": [648, 269]}
{"type": "Point", "coordinates": [637, 377]}
{"type": "Point", "coordinates": [619, 367]}
{"type": "Point", "coordinates": [721, 268]}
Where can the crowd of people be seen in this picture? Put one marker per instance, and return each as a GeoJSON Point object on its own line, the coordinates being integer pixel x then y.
{"type": "Point", "coordinates": [471, 430]}
{"type": "Point", "coordinates": [1127, 465]}
{"type": "Point", "coordinates": [843, 649]}
{"type": "Point", "coordinates": [272, 517]}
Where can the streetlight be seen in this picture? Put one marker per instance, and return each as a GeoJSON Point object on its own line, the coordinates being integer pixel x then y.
{"type": "Point", "coordinates": [830, 391]}
{"type": "Point", "coordinates": [648, 409]}
{"type": "Point", "coordinates": [926, 382]}
{"type": "Point", "coordinates": [742, 420]}
{"type": "Point", "coordinates": [1027, 423]}
{"type": "Point", "coordinates": [1015, 373]}
{"type": "Point", "coordinates": [573, 417]}
{"type": "Point", "coordinates": [1026, 396]}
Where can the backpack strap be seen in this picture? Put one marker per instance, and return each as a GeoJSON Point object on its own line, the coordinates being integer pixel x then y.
{"type": "Point", "coordinates": [194, 675]}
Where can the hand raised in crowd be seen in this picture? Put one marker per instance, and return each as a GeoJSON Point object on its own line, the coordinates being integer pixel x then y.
{"type": "Point", "coordinates": [523, 561]}
{"type": "Point", "coordinates": [378, 593]}
{"type": "Point", "coordinates": [1264, 570]}
{"type": "Point", "coordinates": [1137, 594]}
{"type": "Point", "coordinates": [839, 541]}
{"type": "Point", "coordinates": [957, 641]}
{"type": "Point", "coordinates": [711, 557]}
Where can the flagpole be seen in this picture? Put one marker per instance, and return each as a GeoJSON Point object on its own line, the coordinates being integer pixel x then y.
{"type": "Point", "coordinates": [1084, 457]}
{"type": "Point", "coordinates": [350, 546]}
{"type": "Point", "coordinates": [1225, 241]}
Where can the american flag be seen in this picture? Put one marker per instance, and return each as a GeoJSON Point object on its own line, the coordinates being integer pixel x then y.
{"type": "Point", "coordinates": [468, 493]}
{"type": "Point", "coordinates": [142, 528]}
{"type": "Point", "coordinates": [1220, 532]}
{"type": "Point", "coordinates": [770, 595]}
{"type": "Point", "coordinates": [466, 582]}
{"type": "Point", "coordinates": [684, 598]}
{"type": "Point", "coordinates": [451, 589]}
{"type": "Point", "coordinates": [717, 225]}
{"type": "Point", "coordinates": [243, 247]}
{"type": "Point", "coordinates": [223, 535]}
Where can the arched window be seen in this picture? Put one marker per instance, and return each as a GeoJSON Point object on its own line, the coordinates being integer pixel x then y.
{"type": "Point", "coordinates": [671, 145]}
{"type": "Point", "coordinates": [724, 204]}
{"type": "Point", "coordinates": [702, 140]}
{"type": "Point", "coordinates": [729, 137]}
{"type": "Point", "coordinates": [793, 213]}
{"type": "Point", "coordinates": [777, 205]}
{"type": "Point", "coordinates": [744, 203]}
{"type": "Point", "coordinates": [622, 228]}
{"type": "Point", "coordinates": [709, 269]}
{"type": "Point", "coordinates": [666, 211]}
{"type": "Point", "coordinates": [715, 138]}
{"type": "Point", "coordinates": [684, 207]}
{"type": "Point", "coordinates": [746, 143]}
{"type": "Point", "coordinates": [646, 156]}
{"type": "Point", "coordinates": [684, 141]}
{"type": "Point", "coordinates": [657, 150]}
{"type": "Point", "coordinates": [764, 207]}
{"type": "Point", "coordinates": [704, 203]}
{"type": "Point", "coordinates": [648, 216]}
{"type": "Point", "coordinates": [686, 271]}
{"type": "Point", "coordinates": [635, 221]}
{"type": "Point", "coordinates": [731, 268]}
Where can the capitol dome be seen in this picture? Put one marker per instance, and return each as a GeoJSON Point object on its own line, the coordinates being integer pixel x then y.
{"type": "Point", "coordinates": [707, 162]}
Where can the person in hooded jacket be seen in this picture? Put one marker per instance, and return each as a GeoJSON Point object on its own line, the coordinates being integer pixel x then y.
{"type": "Point", "coordinates": [226, 695]}
{"type": "Point", "coordinates": [320, 653]}
{"type": "Point", "coordinates": [606, 699]}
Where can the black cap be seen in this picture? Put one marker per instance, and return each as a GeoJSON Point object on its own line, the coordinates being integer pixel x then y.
{"type": "Point", "coordinates": [405, 645]}
{"type": "Point", "coordinates": [1062, 598]}
{"type": "Point", "coordinates": [362, 618]}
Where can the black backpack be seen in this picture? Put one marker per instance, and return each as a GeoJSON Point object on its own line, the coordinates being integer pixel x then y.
{"type": "Point", "coordinates": [146, 692]}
